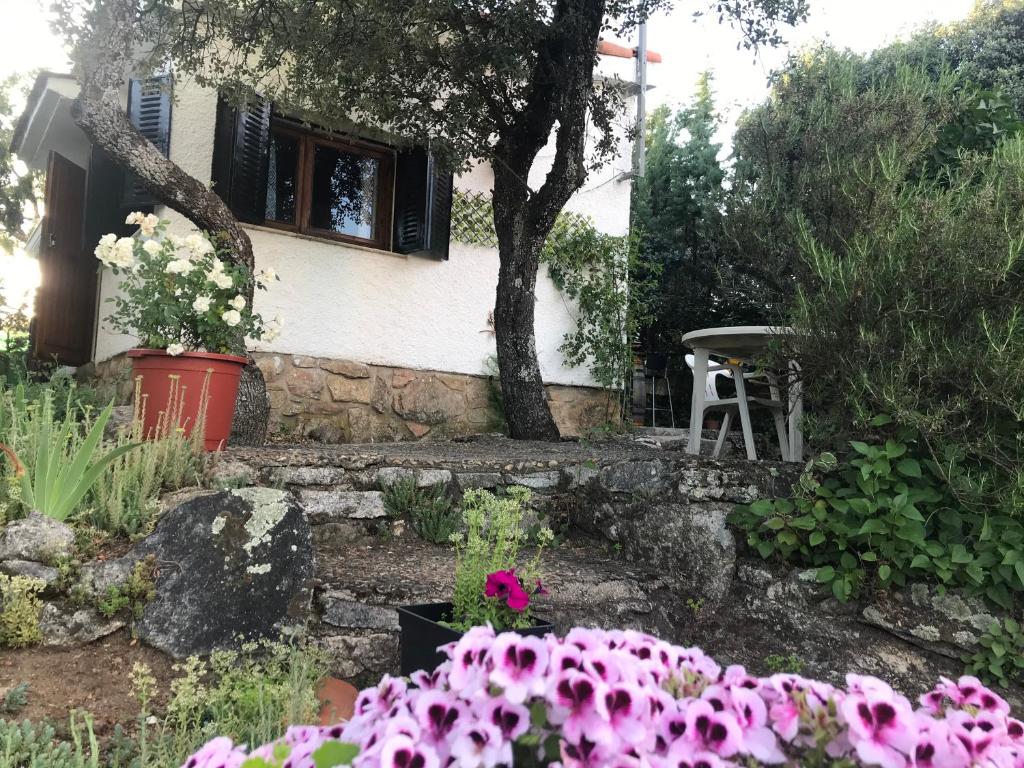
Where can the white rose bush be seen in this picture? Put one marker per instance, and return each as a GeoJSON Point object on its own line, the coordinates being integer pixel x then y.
{"type": "Point", "coordinates": [178, 294]}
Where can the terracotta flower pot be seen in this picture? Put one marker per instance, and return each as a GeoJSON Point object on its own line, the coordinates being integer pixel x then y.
{"type": "Point", "coordinates": [175, 390]}
{"type": "Point", "coordinates": [422, 633]}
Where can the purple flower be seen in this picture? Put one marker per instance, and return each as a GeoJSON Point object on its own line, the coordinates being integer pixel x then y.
{"type": "Point", "coordinates": [403, 752]}
{"type": "Point", "coordinates": [217, 753]}
{"type": "Point", "coordinates": [881, 725]}
{"type": "Point", "coordinates": [480, 745]}
{"type": "Point", "coordinates": [505, 585]}
{"type": "Point", "coordinates": [622, 699]}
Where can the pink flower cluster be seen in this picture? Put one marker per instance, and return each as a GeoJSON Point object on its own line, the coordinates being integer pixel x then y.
{"type": "Point", "coordinates": [621, 699]}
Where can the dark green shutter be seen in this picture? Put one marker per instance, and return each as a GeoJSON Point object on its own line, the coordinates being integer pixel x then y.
{"type": "Point", "coordinates": [103, 211]}
{"type": "Point", "coordinates": [423, 205]}
{"type": "Point", "coordinates": [149, 109]}
{"type": "Point", "coordinates": [240, 155]}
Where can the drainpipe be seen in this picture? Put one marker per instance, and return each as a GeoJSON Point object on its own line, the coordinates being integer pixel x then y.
{"type": "Point", "coordinates": [639, 148]}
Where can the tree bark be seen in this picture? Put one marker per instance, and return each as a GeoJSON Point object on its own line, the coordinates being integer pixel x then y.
{"type": "Point", "coordinates": [104, 60]}
{"type": "Point", "coordinates": [522, 387]}
{"type": "Point", "coordinates": [562, 83]}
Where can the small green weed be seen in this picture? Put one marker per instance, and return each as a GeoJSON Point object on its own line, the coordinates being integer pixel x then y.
{"type": "Point", "coordinates": [15, 699]}
{"type": "Point", "coordinates": [1000, 654]}
{"type": "Point", "coordinates": [131, 596]}
{"type": "Point", "coordinates": [20, 610]}
{"type": "Point", "coordinates": [791, 664]}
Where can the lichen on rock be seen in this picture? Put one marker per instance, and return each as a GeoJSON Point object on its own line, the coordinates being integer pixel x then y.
{"type": "Point", "coordinates": [269, 506]}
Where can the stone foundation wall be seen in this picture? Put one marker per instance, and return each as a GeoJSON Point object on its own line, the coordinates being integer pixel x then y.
{"type": "Point", "coordinates": [341, 401]}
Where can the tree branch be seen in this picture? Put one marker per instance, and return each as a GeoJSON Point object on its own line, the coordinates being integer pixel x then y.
{"type": "Point", "coordinates": [104, 57]}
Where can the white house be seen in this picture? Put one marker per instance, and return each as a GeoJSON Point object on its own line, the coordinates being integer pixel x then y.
{"type": "Point", "coordinates": [386, 318]}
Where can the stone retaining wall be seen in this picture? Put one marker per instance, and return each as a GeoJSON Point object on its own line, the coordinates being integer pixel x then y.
{"type": "Point", "coordinates": [339, 401]}
{"type": "Point", "coordinates": [644, 530]}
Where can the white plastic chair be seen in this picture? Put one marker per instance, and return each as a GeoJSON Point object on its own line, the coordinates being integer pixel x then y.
{"type": "Point", "coordinates": [740, 405]}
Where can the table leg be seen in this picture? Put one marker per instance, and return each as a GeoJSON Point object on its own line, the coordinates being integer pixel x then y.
{"type": "Point", "coordinates": [700, 383]}
{"type": "Point", "coordinates": [796, 413]}
{"type": "Point", "coordinates": [744, 406]}
{"type": "Point", "coordinates": [779, 416]}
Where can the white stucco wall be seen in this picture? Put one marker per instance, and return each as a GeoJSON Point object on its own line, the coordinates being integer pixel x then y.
{"type": "Point", "coordinates": [377, 307]}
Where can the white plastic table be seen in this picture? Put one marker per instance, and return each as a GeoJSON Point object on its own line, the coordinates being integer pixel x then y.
{"type": "Point", "coordinates": [744, 343]}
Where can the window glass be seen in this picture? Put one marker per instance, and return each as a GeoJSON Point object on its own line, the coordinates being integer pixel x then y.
{"type": "Point", "coordinates": [344, 194]}
{"type": "Point", "coordinates": [282, 177]}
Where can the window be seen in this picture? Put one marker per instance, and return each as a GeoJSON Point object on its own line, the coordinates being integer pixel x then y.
{"type": "Point", "coordinates": [273, 171]}
{"type": "Point", "coordinates": [328, 187]}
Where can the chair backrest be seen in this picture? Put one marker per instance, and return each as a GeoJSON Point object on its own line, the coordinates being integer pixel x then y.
{"type": "Point", "coordinates": [710, 389]}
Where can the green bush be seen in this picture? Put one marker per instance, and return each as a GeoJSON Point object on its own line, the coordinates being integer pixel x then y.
{"type": "Point", "coordinates": [919, 315]}
{"type": "Point", "coordinates": [429, 510]}
{"type": "Point", "coordinates": [999, 655]}
{"type": "Point", "coordinates": [49, 425]}
{"type": "Point", "coordinates": [884, 516]}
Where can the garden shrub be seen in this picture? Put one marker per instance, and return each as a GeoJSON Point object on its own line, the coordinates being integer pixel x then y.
{"type": "Point", "coordinates": [429, 510]}
{"type": "Point", "coordinates": [884, 516]}
{"type": "Point", "coordinates": [125, 502]}
{"type": "Point", "coordinates": [606, 699]}
{"type": "Point", "coordinates": [999, 655]}
{"type": "Point", "coordinates": [124, 499]}
{"type": "Point", "coordinates": [20, 610]}
{"type": "Point", "coordinates": [919, 315]}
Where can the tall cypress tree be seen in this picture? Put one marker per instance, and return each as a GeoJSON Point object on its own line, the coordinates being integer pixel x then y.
{"type": "Point", "coordinates": [677, 210]}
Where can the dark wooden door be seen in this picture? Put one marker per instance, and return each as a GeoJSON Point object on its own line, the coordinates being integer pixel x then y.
{"type": "Point", "coordinates": [66, 301]}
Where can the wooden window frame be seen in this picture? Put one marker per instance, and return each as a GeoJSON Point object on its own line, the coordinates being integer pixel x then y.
{"type": "Point", "coordinates": [308, 140]}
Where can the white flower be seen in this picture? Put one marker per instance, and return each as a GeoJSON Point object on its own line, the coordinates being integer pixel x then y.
{"type": "Point", "coordinates": [238, 302]}
{"type": "Point", "coordinates": [105, 248]}
{"type": "Point", "coordinates": [135, 217]}
{"type": "Point", "coordinates": [201, 304]}
{"type": "Point", "coordinates": [231, 318]}
{"type": "Point", "coordinates": [175, 349]}
{"type": "Point", "coordinates": [152, 247]}
{"type": "Point", "coordinates": [219, 279]}
{"type": "Point", "coordinates": [272, 329]}
{"type": "Point", "coordinates": [148, 224]}
{"type": "Point", "coordinates": [198, 244]}
{"type": "Point", "coordinates": [178, 266]}
{"type": "Point", "coordinates": [266, 276]}
{"type": "Point", "coordinates": [119, 253]}
{"type": "Point", "coordinates": [218, 265]}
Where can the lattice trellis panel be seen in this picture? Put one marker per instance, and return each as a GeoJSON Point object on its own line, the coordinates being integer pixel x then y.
{"type": "Point", "coordinates": [473, 221]}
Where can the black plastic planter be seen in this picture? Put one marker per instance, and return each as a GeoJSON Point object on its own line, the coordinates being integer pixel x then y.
{"type": "Point", "coordinates": [422, 634]}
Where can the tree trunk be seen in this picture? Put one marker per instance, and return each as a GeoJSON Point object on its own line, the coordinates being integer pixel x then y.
{"type": "Point", "coordinates": [522, 387]}
{"type": "Point", "coordinates": [561, 86]}
{"type": "Point", "coordinates": [104, 59]}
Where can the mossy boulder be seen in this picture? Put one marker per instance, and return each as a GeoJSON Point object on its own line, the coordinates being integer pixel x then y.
{"type": "Point", "coordinates": [231, 566]}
